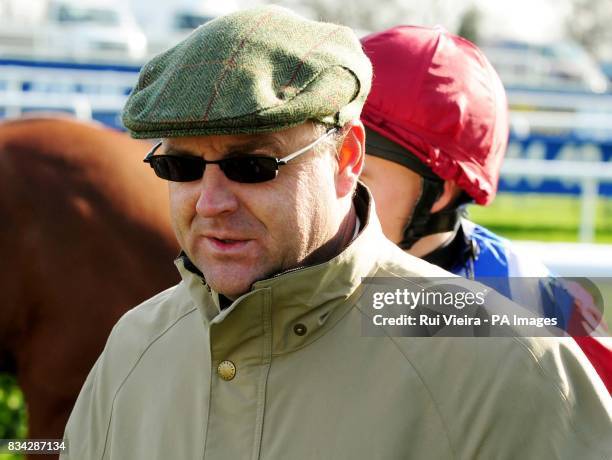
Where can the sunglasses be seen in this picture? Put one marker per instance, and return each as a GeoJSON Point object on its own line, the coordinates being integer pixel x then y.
{"type": "Point", "coordinates": [248, 169]}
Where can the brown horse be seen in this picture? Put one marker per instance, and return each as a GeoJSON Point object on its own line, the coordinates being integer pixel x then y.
{"type": "Point", "coordinates": [85, 235]}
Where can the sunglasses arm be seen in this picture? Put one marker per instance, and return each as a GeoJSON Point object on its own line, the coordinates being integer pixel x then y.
{"type": "Point", "coordinates": [293, 155]}
{"type": "Point", "coordinates": [147, 159]}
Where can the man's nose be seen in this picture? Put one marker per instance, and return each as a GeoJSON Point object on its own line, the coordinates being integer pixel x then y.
{"type": "Point", "coordinates": [216, 193]}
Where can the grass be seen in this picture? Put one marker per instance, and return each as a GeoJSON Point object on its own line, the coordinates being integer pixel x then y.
{"type": "Point", "coordinates": [13, 420]}
{"type": "Point", "coordinates": [541, 217]}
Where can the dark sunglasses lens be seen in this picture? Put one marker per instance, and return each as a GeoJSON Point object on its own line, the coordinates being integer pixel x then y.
{"type": "Point", "coordinates": [178, 169]}
{"type": "Point", "coordinates": [250, 170]}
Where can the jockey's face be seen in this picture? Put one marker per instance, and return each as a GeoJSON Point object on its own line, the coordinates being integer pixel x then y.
{"type": "Point", "coordinates": [396, 190]}
{"type": "Point", "coordinates": [238, 233]}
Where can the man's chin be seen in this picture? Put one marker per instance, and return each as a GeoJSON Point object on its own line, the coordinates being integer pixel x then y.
{"type": "Point", "coordinates": [231, 277]}
{"type": "Point", "coordinates": [229, 283]}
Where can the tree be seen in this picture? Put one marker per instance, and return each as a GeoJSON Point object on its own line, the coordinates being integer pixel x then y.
{"type": "Point", "coordinates": [470, 24]}
{"type": "Point", "coordinates": [368, 15]}
{"type": "Point", "coordinates": [589, 24]}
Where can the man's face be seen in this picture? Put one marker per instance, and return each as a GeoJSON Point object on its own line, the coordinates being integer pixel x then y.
{"type": "Point", "coordinates": [238, 233]}
{"type": "Point", "coordinates": [395, 189]}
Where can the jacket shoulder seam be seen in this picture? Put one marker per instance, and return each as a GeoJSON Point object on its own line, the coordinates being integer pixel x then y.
{"type": "Point", "coordinates": [136, 362]}
{"type": "Point", "coordinates": [422, 380]}
{"type": "Point", "coordinates": [557, 388]}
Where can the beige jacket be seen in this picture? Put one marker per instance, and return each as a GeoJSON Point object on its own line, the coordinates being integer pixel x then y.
{"type": "Point", "coordinates": [285, 373]}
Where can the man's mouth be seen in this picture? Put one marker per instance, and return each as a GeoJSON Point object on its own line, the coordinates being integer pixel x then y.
{"type": "Point", "coordinates": [226, 245]}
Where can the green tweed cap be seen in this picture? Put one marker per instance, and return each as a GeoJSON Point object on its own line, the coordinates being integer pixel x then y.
{"type": "Point", "coordinates": [257, 70]}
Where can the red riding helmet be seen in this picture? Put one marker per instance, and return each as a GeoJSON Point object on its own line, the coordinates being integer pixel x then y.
{"type": "Point", "coordinates": [436, 95]}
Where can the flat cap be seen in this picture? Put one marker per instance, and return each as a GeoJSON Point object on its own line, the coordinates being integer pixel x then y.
{"type": "Point", "coordinates": [257, 70]}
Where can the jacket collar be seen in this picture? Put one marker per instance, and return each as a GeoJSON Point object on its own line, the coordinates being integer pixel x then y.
{"type": "Point", "coordinates": [304, 302]}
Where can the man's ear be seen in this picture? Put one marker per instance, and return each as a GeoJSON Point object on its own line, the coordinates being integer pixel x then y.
{"type": "Point", "coordinates": [451, 191]}
{"type": "Point", "coordinates": [350, 157]}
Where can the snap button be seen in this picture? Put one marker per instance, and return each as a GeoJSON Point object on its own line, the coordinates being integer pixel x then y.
{"type": "Point", "coordinates": [226, 370]}
{"type": "Point", "coordinates": [299, 329]}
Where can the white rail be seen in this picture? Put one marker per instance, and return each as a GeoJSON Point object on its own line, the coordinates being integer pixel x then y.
{"type": "Point", "coordinates": [587, 114]}
{"type": "Point", "coordinates": [588, 125]}
{"type": "Point", "coordinates": [572, 259]}
{"type": "Point", "coordinates": [82, 105]}
{"type": "Point", "coordinates": [589, 174]}
{"type": "Point", "coordinates": [560, 100]}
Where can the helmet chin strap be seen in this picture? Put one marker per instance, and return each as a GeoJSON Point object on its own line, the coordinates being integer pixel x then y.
{"type": "Point", "coordinates": [423, 222]}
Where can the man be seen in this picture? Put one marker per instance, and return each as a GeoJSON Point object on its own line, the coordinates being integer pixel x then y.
{"type": "Point", "coordinates": [259, 352]}
{"type": "Point", "coordinates": [437, 127]}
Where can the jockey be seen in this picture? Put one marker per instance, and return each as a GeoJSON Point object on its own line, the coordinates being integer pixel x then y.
{"type": "Point", "coordinates": [437, 130]}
